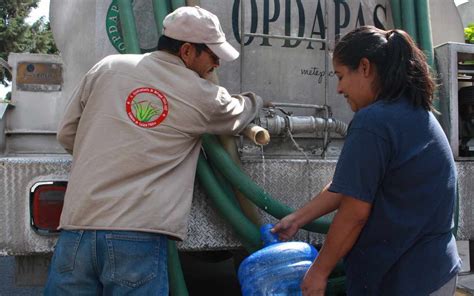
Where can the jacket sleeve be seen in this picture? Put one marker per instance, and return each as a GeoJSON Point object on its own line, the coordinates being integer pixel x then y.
{"type": "Point", "coordinates": [68, 125]}
{"type": "Point", "coordinates": [234, 112]}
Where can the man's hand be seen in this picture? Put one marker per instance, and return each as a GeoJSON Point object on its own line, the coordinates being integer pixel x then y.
{"type": "Point", "coordinates": [286, 228]}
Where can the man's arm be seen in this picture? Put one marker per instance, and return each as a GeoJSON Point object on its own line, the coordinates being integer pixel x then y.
{"type": "Point", "coordinates": [343, 233]}
{"type": "Point", "coordinates": [322, 204]}
{"type": "Point", "coordinates": [68, 125]}
{"type": "Point", "coordinates": [233, 113]}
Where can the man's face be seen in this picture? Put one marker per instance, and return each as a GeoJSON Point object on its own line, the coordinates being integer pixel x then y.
{"type": "Point", "coordinates": [203, 63]}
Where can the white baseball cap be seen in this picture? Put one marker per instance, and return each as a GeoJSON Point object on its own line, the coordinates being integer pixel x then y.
{"type": "Point", "coordinates": [197, 25]}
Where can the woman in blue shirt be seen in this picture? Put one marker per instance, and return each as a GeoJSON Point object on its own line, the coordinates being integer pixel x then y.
{"type": "Point", "coordinates": [395, 180]}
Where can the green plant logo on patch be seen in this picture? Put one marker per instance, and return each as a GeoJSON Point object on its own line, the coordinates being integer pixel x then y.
{"type": "Point", "coordinates": [146, 107]}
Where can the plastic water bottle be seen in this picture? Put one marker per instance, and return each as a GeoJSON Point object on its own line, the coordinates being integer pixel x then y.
{"type": "Point", "coordinates": [278, 268]}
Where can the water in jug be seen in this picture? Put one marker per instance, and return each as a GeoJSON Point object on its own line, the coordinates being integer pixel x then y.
{"type": "Point", "coordinates": [278, 268]}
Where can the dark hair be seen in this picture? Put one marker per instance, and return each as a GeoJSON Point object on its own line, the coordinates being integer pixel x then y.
{"type": "Point", "coordinates": [172, 45]}
{"type": "Point", "coordinates": [401, 66]}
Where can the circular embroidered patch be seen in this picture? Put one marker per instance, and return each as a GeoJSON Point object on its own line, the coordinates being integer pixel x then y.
{"type": "Point", "coordinates": [146, 107]}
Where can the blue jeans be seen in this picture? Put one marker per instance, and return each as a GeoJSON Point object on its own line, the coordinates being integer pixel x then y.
{"type": "Point", "coordinates": [108, 263]}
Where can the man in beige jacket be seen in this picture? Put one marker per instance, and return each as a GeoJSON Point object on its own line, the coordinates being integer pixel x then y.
{"type": "Point", "coordinates": [133, 126]}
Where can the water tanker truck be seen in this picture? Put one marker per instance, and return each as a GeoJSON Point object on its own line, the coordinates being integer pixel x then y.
{"type": "Point", "coordinates": [285, 48]}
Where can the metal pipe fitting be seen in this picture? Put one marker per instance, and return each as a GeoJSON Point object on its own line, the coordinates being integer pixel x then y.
{"type": "Point", "coordinates": [279, 125]}
{"type": "Point", "coordinates": [257, 134]}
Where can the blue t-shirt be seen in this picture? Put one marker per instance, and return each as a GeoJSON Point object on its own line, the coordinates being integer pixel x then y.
{"type": "Point", "coordinates": [397, 158]}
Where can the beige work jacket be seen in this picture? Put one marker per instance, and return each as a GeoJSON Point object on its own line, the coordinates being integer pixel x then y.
{"type": "Point", "coordinates": [133, 126]}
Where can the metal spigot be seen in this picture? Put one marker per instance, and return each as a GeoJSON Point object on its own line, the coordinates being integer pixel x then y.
{"type": "Point", "coordinates": [279, 125]}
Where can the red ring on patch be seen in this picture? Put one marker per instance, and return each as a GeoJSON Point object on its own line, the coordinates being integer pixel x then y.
{"type": "Point", "coordinates": [158, 95]}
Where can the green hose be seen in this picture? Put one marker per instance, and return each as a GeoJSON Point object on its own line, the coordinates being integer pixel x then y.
{"type": "Point", "coordinates": [248, 208]}
{"type": "Point", "coordinates": [243, 183]}
{"type": "Point", "coordinates": [129, 29]}
{"type": "Point", "coordinates": [408, 18]}
{"type": "Point", "coordinates": [424, 29]}
{"type": "Point", "coordinates": [396, 13]}
{"type": "Point", "coordinates": [176, 278]}
{"type": "Point", "coordinates": [245, 229]}
{"type": "Point", "coordinates": [160, 9]}
{"type": "Point", "coordinates": [224, 185]}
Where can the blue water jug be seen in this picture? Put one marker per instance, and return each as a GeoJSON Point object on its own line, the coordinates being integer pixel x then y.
{"type": "Point", "coordinates": [278, 268]}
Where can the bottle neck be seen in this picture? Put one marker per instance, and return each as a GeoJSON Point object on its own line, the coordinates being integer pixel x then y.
{"type": "Point", "coordinates": [268, 237]}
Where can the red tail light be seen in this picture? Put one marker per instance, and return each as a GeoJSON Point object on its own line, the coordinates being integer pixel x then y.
{"type": "Point", "coordinates": [46, 204]}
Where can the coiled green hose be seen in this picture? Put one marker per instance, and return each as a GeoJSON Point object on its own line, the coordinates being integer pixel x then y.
{"type": "Point", "coordinates": [218, 157]}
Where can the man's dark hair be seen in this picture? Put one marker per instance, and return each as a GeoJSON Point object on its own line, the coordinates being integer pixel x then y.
{"type": "Point", "coordinates": [172, 45]}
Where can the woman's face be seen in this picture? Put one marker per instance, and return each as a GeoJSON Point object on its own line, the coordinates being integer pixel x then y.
{"type": "Point", "coordinates": [357, 86]}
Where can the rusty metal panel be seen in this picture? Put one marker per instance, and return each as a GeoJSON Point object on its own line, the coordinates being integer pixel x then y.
{"type": "Point", "coordinates": [39, 76]}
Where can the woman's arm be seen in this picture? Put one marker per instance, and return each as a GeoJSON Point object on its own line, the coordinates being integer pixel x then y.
{"type": "Point", "coordinates": [323, 203]}
{"type": "Point", "coordinates": [343, 233]}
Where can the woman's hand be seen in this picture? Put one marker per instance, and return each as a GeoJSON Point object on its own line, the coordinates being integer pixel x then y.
{"type": "Point", "coordinates": [286, 228]}
{"type": "Point", "coordinates": [313, 283]}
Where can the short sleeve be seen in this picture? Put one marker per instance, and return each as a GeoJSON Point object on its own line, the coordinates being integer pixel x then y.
{"type": "Point", "coordinates": [362, 165]}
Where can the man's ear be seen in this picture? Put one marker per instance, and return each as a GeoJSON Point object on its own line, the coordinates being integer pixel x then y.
{"type": "Point", "coordinates": [185, 52]}
{"type": "Point", "coordinates": [365, 66]}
